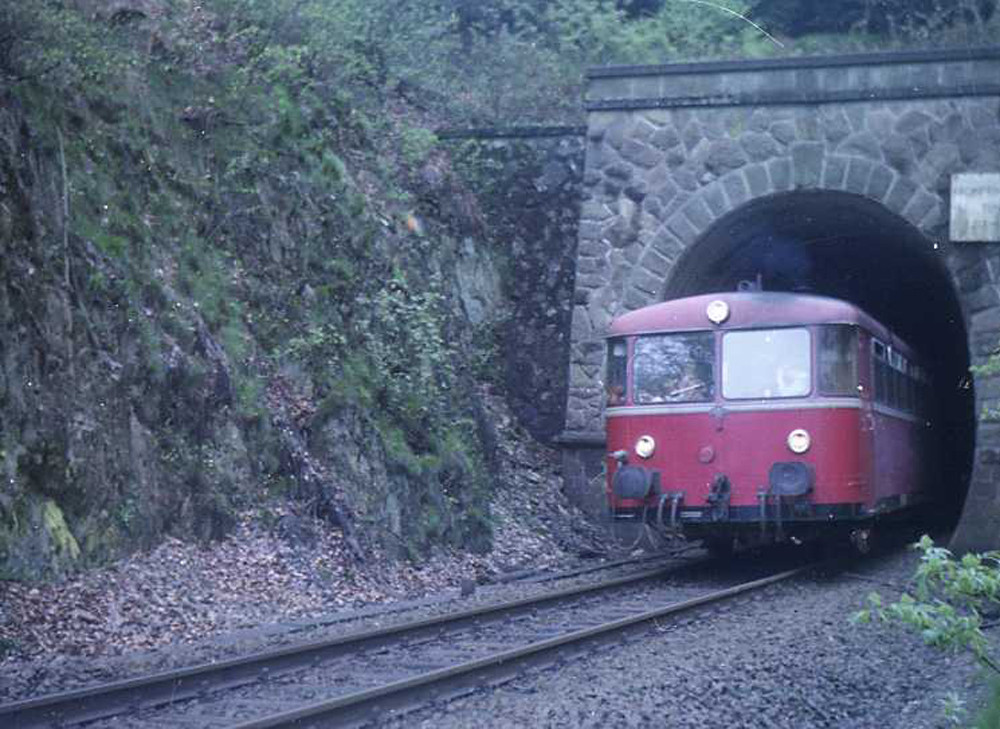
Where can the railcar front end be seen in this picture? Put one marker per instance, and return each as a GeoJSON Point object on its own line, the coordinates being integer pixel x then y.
{"type": "Point", "coordinates": [758, 417]}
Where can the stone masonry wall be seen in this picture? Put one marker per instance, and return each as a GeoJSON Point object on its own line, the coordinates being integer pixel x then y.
{"type": "Point", "coordinates": [529, 182]}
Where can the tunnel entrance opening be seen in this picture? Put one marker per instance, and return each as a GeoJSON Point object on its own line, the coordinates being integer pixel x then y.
{"type": "Point", "coordinates": [849, 247]}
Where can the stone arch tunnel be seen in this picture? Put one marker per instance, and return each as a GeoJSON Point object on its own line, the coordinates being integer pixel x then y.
{"type": "Point", "coordinates": [832, 175]}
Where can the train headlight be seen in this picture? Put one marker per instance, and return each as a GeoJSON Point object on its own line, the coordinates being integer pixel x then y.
{"type": "Point", "coordinates": [645, 446]}
{"type": "Point", "coordinates": [799, 441]}
{"type": "Point", "coordinates": [717, 311]}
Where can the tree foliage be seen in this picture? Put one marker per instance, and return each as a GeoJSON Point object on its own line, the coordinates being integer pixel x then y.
{"type": "Point", "coordinates": [469, 61]}
{"type": "Point", "coordinates": [54, 42]}
{"type": "Point", "coordinates": [910, 19]}
{"type": "Point", "coordinates": [949, 600]}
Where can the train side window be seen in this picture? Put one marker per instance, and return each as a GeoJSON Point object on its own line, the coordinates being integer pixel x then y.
{"type": "Point", "coordinates": [905, 399]}
{"type": "Point", "coordinates": [838, 359]}
{"type": "Point", "coordinates": [881, 371]}
{"type": "Point", "coordinates": [898, 383]}
{"type": "Point", "coordinates": [899, 380]}
{"type": "Point", "coordinates": [895, 389]}
{"type": "Point", "coordinates": [616, 371]}
{"type": "Point", "coordinates": [921, 387]}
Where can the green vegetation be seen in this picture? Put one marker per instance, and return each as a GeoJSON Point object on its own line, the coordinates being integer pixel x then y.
{"type": "Point", "coordinates": [989, 369]}
{"type": "Point", "coordinates": [233, 189]}
{"type": "Point", "coordinates": [949, 600]}
{"type": "Point", "coordinates": [467, 62]}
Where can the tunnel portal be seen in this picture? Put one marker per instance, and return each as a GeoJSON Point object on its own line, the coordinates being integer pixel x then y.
{"type": "Point", "coordinates": [829, 175]}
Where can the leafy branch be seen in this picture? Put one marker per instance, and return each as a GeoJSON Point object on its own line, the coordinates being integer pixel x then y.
{"type": "Point", "coordinates": [949, 600]}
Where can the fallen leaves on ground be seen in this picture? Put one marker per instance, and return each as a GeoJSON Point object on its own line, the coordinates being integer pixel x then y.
{"type": "Point", "coordinates": [182, 592]}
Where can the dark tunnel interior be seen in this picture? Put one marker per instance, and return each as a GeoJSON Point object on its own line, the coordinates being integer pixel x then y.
{"type": "Point", "coordinates": [849, 247]}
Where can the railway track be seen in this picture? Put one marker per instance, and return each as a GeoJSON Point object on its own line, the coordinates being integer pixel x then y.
{"type": "Point", "coordinates": [374, 674]}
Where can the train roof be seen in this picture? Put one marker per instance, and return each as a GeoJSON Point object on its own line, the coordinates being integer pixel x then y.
{"type": "Point", "coordinates": [749, 310]}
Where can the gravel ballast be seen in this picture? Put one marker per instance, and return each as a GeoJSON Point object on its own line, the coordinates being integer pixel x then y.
{"type": "Point", "coordinates": [787, 657]}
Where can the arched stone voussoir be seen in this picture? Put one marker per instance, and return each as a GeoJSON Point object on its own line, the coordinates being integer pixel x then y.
{"type": "Point", "coordinates": [835, 172]}
{"type": "Point", "coordinates": [807, 164]}
{"type": "Point", "coordinates": [875, 181]}
{"type": "Point", "coordinates": [923, 211]}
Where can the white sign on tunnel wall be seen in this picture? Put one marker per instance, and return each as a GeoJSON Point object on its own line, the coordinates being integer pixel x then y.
{"type": "Point", "coordinates": [975, 207]}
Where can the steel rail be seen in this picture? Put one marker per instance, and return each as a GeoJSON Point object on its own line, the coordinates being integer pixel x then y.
{"type": "Point", "coordinates": [540, 574]}
{"type": "Point", "coordinates": [527, 577]}
{"type": "Point", "coordinates": [106, 700]}
{"type": "Point", "coordinates": [379, 702]}
{"type": "Point", "coordinates": [673, 554]}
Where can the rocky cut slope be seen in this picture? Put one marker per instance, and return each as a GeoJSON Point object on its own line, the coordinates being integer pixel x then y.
{"type": "Point", "coordinates": [234, 269]}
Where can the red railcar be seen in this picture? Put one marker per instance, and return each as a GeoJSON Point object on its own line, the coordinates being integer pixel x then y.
{"type": "Point", "coordinates": [761, 416]}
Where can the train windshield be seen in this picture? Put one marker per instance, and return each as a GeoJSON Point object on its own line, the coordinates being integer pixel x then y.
{"type": "Point", "coordinates": [765, 363]}
{"type": "Point", "coordinates": [674, 368]}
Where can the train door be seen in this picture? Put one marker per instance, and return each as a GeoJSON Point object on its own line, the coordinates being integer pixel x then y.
{"type": "Point", "coordinates": [845, 449]}
{"type": "Point", "coordinates": [881, 423]}
{"type": "Point", "coordinates": [866, 429]}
